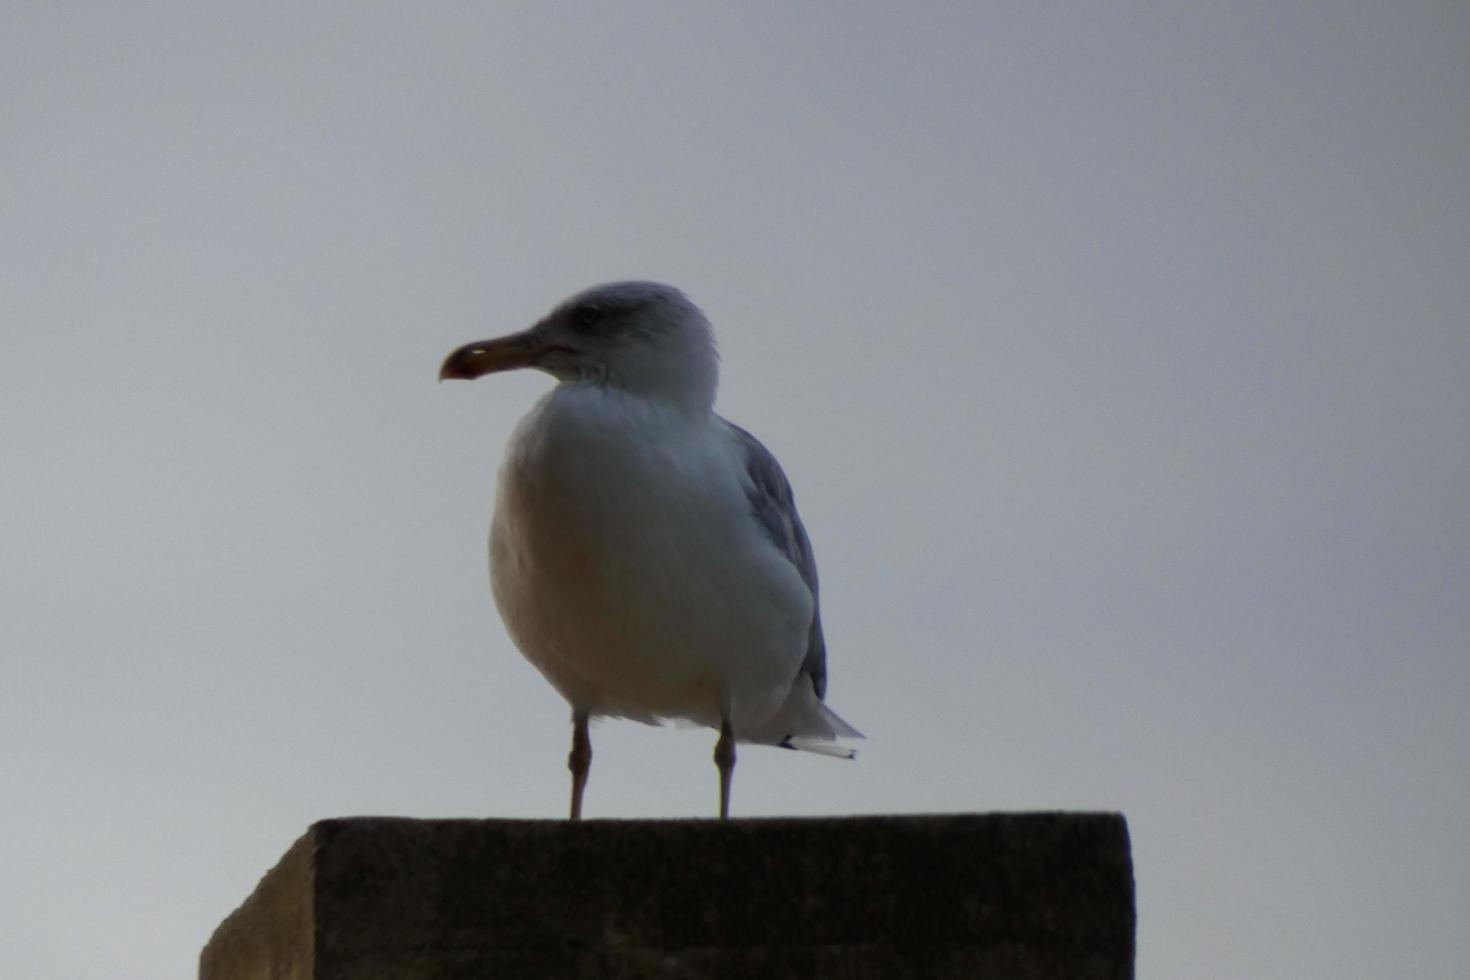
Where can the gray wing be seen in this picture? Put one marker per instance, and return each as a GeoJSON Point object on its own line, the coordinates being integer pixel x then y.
{"type": "Point", "coordinates": [774, 507]}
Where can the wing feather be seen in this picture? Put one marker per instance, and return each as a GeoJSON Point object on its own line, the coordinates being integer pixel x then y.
{"type": "Point", "coordinates": [774, 506]}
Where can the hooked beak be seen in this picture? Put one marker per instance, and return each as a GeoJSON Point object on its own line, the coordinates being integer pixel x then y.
{"type": "Point", "coordinates": [518, 350]}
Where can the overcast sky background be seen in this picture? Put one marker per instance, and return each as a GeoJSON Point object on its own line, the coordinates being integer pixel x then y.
{"type": "Point", "coordinates": [1119, 355]}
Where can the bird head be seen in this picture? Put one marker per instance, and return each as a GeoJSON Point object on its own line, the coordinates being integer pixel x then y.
{"type": "Point", "coordinates": [644, 338]}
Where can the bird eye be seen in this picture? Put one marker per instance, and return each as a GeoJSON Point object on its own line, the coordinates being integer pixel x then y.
{"type": "Point", "coordinates": [585, 317]}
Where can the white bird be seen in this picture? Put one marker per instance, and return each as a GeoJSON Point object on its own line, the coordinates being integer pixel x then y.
{"type": "Point", "coordinates": [646, 554]}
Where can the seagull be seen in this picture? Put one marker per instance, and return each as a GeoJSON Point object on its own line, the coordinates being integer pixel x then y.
{"type": "Point", "coordinates": [646, 554]}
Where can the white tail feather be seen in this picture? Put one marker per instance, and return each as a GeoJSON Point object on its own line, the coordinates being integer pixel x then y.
{"type": "Point", "coordinates": [805, 723]}
{"type": "Point", "coordinates": [821, 746]}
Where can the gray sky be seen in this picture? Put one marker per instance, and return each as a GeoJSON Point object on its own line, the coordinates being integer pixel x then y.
{"type": "Point", "coordinates": [1118, 355]}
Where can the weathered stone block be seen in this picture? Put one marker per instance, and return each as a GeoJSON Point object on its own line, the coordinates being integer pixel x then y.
{"type": "Point", "coordinates": [1025, 896]}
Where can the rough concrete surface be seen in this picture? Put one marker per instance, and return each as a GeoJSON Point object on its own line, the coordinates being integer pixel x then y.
{"type": "Point", "coordinates": [1025, 896]}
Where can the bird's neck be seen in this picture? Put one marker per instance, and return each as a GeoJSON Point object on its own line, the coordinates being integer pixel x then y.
{"type": "Point", "coordinates": [678, 408]}
{"type": "Point", "coordinates": [683, 380]}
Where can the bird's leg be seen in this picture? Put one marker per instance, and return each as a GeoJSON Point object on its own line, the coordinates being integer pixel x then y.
{"type": "Point", "coordinates": [725, 760]}
{"type": "Point", "coordinates": [579, 761]}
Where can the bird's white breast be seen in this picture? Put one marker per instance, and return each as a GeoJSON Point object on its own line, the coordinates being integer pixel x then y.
{"type": "Point", "coordinates": [629, 569]}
